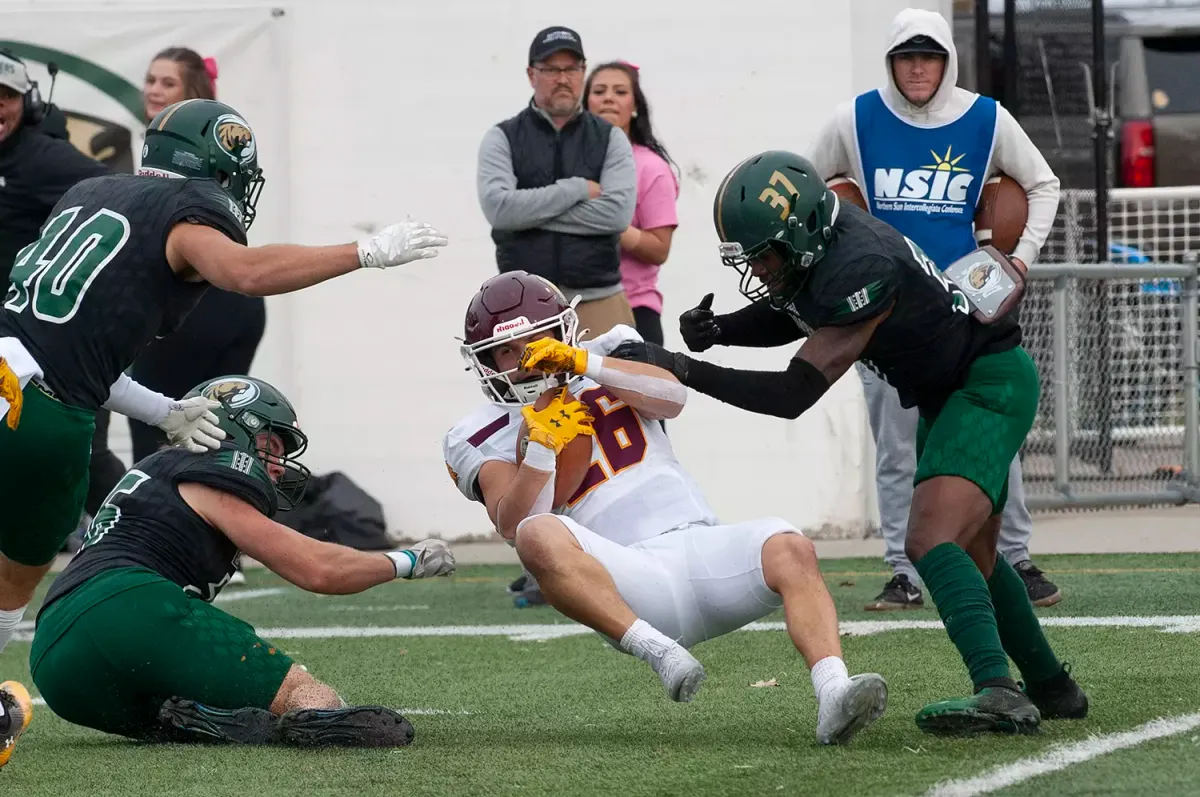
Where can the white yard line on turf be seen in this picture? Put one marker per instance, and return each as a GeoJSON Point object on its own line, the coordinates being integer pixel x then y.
{"type": "Point", "coordinates": [533, 632]}
{"type": "Point", "coordinates": [1063, 756]}
{"type": "Point", "coordinates": [230, 596]}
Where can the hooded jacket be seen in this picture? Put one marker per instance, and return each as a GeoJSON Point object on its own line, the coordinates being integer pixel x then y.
{"type": "Point", "coordinates": [835, 150]}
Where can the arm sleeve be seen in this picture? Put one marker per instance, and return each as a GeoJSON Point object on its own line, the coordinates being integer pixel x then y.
{"type": "Point", "coordinates": [784, 394]}
{"type": "Point", "coordinates": [758, 325]}
{"type": "Point", "coordinates": [61, 166]}
{"type": "Point", "coordinates": [236, 472]}
{"type": "Point", "coordinates": [507, 207]}
{"type": "Point", "coordinates": [1017, 157]}
{"type": "Point", "coordinates": [203, 202]}
{"type": "Point", "coordinates": [135, 400]}
{"type": "Point", "coordinates": [612, 211]}
{"type": "Point", "coordinates": [857, 292]}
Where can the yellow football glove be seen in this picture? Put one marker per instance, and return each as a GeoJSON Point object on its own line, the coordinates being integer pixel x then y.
{"type": "Point", "coordinates": [558, 424]}
{"type": "Point", "coordinates": [554, 357]}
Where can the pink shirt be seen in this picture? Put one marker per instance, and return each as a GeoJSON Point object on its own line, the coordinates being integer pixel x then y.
{"type": "Point", "coordinates": [657, 190]}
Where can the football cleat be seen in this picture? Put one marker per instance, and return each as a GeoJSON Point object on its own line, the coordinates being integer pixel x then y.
{"type": "Point", "coordinates": [994, 709]}
{"type": "Point", "coordinates": [682, 674]}
{"type": "Point", "coordinates": [18, 713]}
{"type": "Point", "coordinates": [357, 726]}
{"type": "Point", "coordinates": [859, 705]}
{"type": "Point", "coordinates": [1059, 698]}
{"type": "Point", "coordinates": [186, 721]}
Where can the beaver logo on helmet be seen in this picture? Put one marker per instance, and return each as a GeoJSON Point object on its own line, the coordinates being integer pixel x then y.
{"type": "Point", "coordinates": [232, 392]}
{"type": "Point", "coordinates": [235, 136]}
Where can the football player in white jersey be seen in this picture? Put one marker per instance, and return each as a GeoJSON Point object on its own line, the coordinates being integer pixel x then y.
{"type": "Point", "coordinates": [636, 553]}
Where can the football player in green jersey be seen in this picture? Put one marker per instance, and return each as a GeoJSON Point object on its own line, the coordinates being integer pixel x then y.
{"type": "Point", "coordinates": [122, 260]}
{"type": "Point", "coordinates": [858, 290]}
{"type": "Point", "coordinates": [128, 641]}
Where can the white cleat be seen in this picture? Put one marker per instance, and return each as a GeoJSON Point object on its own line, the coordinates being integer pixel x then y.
{"type": "Point", "coordinates": [858, 705]}
{"type": "Point", "coordinates": [681, 674]}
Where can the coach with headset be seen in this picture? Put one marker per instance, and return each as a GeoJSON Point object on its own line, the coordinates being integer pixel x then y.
{"type": "Point", "coordinates": [37, 162]}
{"type": "Point", "coordinates": [37, 165]}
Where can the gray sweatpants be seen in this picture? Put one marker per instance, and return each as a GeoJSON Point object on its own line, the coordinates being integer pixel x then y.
{"type": "Point", "coordinates": [895, 431]}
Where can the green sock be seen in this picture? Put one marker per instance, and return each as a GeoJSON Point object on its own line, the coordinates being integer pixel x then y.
{"type": "Point", "coordinates": [1020, 630]}
{"type": "Point", "coordinates": [963, 602]}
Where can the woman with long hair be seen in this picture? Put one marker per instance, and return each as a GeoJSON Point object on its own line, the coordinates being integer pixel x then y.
{"type": "Point", "coordinates": [613, 91]}
{"type": "Point", "coordinates": [222, 333]}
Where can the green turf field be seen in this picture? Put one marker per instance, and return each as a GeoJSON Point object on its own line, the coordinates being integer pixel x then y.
{"type": "Point", "coordinates": [502, 710]}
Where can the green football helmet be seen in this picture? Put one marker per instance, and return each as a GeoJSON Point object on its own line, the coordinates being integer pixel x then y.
{"type": "Point", "coordinates": [209, 140]}
{"type": "Point", "coordinates": [251, 412]}
{"type": "Point", "coordinates": [774, 201]}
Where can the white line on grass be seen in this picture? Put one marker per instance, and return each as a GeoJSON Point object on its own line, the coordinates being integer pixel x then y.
{"type": "Point", "coordinates": [248, 594]}
{"type": "Point", "coordinates": [532, 632]}
{"type": "Point", "coordinates": [1063, 756]}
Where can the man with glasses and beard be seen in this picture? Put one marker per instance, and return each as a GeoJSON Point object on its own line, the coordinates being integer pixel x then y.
{"type": "Point", "coordinates": [558, 186]}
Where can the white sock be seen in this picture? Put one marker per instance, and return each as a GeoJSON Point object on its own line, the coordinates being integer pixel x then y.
{"type": "Point", "coordinates": [829, 673]}
{"type": "Point", "coordinates": [8, 624]}
{"type": "Point", "coordinates": [646, 642]}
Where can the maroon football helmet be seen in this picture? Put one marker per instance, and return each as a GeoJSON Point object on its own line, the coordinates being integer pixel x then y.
{"type": "Point", "coordinates": [509, 306]}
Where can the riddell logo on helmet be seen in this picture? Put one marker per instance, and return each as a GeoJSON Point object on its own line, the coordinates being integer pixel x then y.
{"type": "Point", "coordinates": [520, 322]}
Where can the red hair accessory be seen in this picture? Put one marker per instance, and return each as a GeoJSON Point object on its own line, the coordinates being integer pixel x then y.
{"type": "Point", "coordinates": [634, 67]}
{"type": "Point", "coordinates": [210, 69]}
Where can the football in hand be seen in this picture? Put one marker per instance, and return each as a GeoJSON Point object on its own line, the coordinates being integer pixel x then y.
{"type": "Point", "coordinates": [847, 190]}
{"type": "Point", "coordinates": [573, 461]}
{"type": "Point", "coordinates": [1002, 212]}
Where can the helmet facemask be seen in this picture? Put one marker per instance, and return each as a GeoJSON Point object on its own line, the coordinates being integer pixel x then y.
{"type": "Point", "coordinates": [797, 248]}
{"type": "Point", "coordinates": [499, 386]}
{"type": "Point", "coordinates": [292, 483]}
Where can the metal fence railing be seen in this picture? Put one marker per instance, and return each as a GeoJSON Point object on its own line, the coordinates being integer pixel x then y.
{"type": "Point", "coordinates": [1116, 347]}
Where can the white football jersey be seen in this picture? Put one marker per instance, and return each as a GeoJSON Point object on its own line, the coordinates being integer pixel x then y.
{"type": "Point", "coordinates": [635, 488]}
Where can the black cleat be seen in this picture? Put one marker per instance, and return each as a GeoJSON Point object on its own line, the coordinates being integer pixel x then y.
{"type": "Point", "coordinates": [357, 726]}
{"type": "Point", "coordinates": [899, 593]}
{"type": "Point", "coordinates": [182, 721]}
{"type": "Point", "coordinates": [1042, 592]}
{"type": "Point", "coordinates": [1059, 698]}
{"type": "Point", "coordinates": [994, 709]}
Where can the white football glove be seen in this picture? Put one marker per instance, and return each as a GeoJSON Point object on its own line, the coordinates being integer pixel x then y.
{"type": "Point", "coordinates": [398, 244]}
{"type": "Point", "coordinates": [191, 424]}
{"type": "Point", "coordinates": [434, 558]}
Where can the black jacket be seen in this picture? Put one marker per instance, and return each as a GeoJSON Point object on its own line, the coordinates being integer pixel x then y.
{"type": "Point", "coordinates": [37, 166]}
{"type": "Point", "coordinates": [542, 155]}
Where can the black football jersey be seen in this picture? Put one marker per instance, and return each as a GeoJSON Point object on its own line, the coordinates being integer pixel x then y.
{"type": "Point", "coordinates": [144, 522]}
{"type": "Point", "coordinates": [926, 345]}
{"type": "Point", "coordinates": [95, 289]}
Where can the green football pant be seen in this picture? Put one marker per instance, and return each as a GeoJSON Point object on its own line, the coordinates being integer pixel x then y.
{"type": "Point", "coordinates": [981, 427]}
{"type": "Point", "coordinates": [108, 654]}
{"type": "Point", "coordinates": [43, 477]}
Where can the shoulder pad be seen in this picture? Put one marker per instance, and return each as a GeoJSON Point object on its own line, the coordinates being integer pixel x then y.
{"type": "Point", "coordinates": [236, 472]}
{"type": "Point", "coordinates": [489, 433]}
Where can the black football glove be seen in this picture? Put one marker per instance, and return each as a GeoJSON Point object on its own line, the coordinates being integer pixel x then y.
{"type": "Point", "coordinates": [699, 326]}
{"type": "Point", "coordinates": [653, 354]}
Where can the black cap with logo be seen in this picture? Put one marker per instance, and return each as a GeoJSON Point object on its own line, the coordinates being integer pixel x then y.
{"type": "Point", "coordinates": [552, 40]}
{"type": "Point", "coordinates": [919, 44]}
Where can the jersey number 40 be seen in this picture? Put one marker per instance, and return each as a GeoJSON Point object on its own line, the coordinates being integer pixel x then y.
{"type": "Point", "coordinates": [54, 278]}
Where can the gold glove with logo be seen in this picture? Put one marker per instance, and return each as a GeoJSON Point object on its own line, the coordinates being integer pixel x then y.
{"type": "Point", "coordinates": [554, 357]}
{"type": "Point", "coordinates": [558, 423]}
